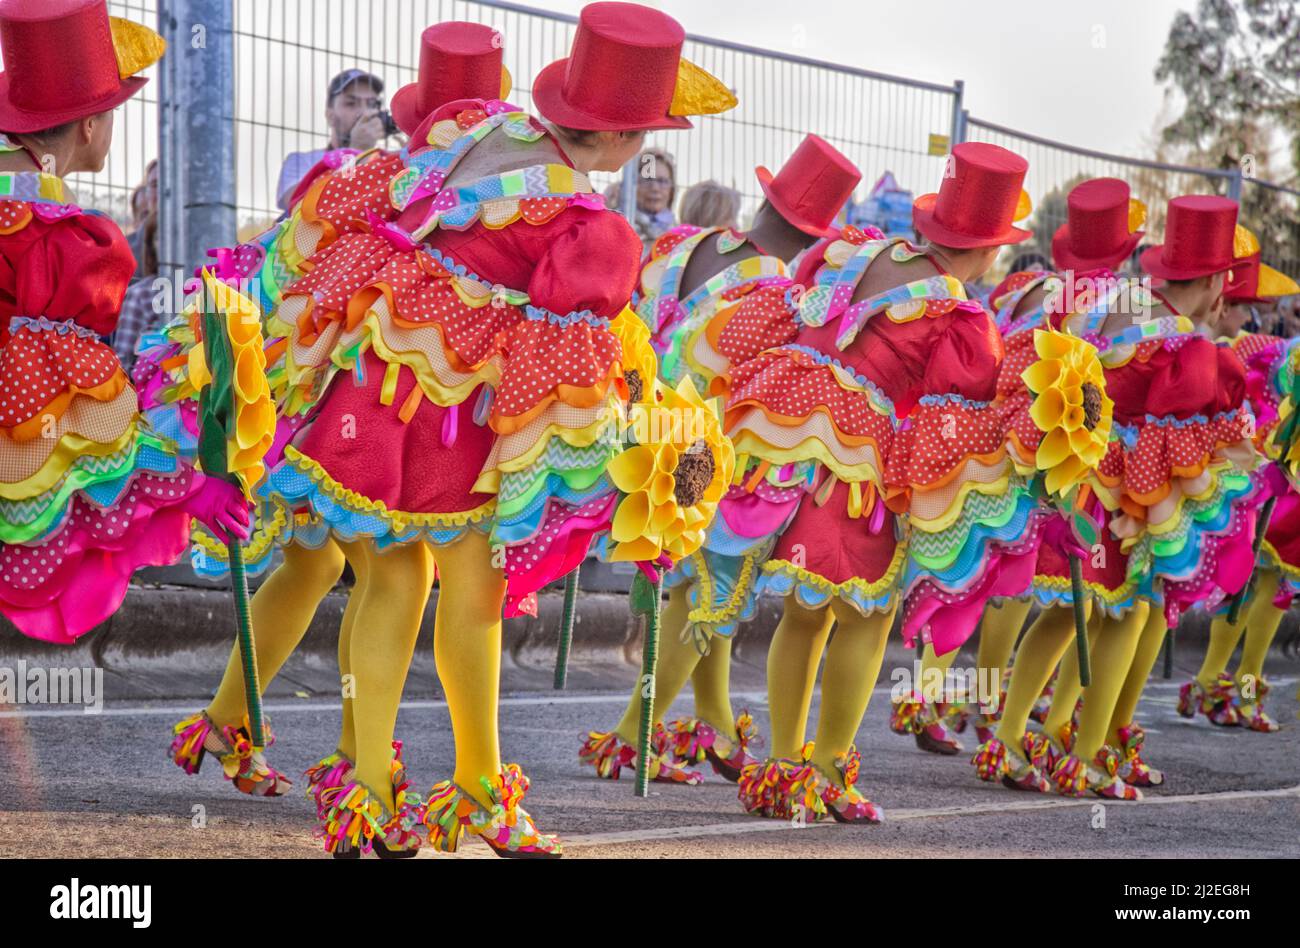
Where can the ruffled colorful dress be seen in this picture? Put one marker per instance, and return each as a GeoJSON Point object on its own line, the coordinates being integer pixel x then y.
{"type": "Point", "coordinates": [88, 492]}
{"type": "Point", "coordinates": [1269, 362]}
{"type": "Point", "coordinates": [1104, 575]}
{"type": "Point", "coordinates": [463, 350]}
{"type": "Point", "coordinates": [722, 574]}
{"type": "Point", "coordinates": [343, 194]}
{"type": "Point", "coordinates": [1173, 493]}
{"type": "Point", "coordinates": [678, 323]}
{"type": "Point", "coordinates": [872, 424]}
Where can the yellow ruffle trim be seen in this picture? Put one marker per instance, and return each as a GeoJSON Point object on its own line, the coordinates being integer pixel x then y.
{"type": "Point", "coordinates": [66, 452]}
{"type": "Point", "coordinates": [813, 449]}
{"type": "Point", "coordinates": [489, 482]}
{"type": "Point", "coordinates": [1288, 570]}
{"type": "Point", "coordinates": [400, 519]}
{"type": "Point", "coordinates": [263, 538]}
{"type": "Point", "coordinates": [731, 611]}
{"type": "Point", "coordinates": [870, 589]}
{"type": "Point", "coordinates": [1112, 597]}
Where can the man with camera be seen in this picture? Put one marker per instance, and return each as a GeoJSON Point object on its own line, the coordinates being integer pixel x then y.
{"type": "Point", "coordinates": [356, 118]}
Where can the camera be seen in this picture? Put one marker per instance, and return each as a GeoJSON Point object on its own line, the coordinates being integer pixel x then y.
{"type": "Point", "coordinates": [390, 127]}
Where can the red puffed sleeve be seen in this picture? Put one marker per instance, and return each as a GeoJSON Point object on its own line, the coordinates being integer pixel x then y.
{"type": "Point", "coordinates": [591, 264]}
{"type": "Point", "coordinates": [964, 359]}
{"type": "Point", "coordinates": [77, 268]}
{"type": "Point", "coordinates": [1185, 381]}
{"type": "Point", "coordinates": [1232, 379]}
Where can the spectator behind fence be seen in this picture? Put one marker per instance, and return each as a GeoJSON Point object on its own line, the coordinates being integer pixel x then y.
{"type": "Point", "coordinates": [709, 204]}
{"type": "Point", "coordinates": [144, 307]}
{"type": "Point", "coordinates": [144, 205]}
{"type": "Point", "coordinates": [1029, 261]}
{"type": "Point", "coordinates": [356, 118]}
{"type": "Point", "coordinates": [1288, 317]}
{"type": "Point", "coordinates": [654, 195]}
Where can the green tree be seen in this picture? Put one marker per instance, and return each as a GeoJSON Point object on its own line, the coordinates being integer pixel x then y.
{"type": "Point", "coordinates": [1237, 65]}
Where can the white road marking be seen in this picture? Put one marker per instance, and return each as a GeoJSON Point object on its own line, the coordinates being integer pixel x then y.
{"type": "Point", "coordinates": [757, 825]}
{"type": "Point", "coordinates": [276, 708]}
{"type": "Point", "coordinates": [539, 700]}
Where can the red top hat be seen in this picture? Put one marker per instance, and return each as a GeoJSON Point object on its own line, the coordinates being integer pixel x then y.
{"type": "Point", "coordinates": [1198, 238]}
{"type": "Point", "coordinates": [457, 61]}
{"type": "Point", "coordinates": [625, 72]}
{"type": "Point", "coordinates": [67, 59]}
{"type": "Point", "coordinates": [811, 186]}
{"type": "Point", "coordinates": [1252, 280]}
{"type": "Point", "coordinates": [979, 200]}
{"type": "Point", "coordinates": [1101, 230]}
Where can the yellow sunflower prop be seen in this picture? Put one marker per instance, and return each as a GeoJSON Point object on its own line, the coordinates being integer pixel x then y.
{"type": "Point", "coordinates": [245, 414]}
{"type": "Point", "coordinates": [672, 478]}
{"type": "Point", "coordinates": [1070, 407]}
{"type": "Point", "coordinates": [640, 366]}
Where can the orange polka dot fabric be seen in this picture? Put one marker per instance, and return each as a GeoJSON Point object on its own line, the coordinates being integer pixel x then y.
{"type": "Point", "coordinates": [791, 384]}
{"type": "Point", "coordinates": [14, 215]}
{"type": "Point", "coordinates": [765, 319]}
{"type": "Point", "coordinates": [423, 295]}
{"type": "Point", "coordinates": [540, 210]}
{"type": "Point", "coordinates": [349, 195]}
{"type": "Point", "coordinates": [37, 366]}
{"type": "Point", "coordinates": [665, 242]}
{"type": "Point", "coordinates": [938, 439]}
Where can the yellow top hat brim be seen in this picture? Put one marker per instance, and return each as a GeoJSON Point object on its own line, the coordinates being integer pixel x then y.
{"type": "Point", "coordinates": [1137, 215]}
{"type": "Point", "coordinates": [698, 92]}
{"type": "Point", "coordinates": [1244, 243]}
{"type": "Point", "coordinates": [1024, 206]}
{"type": "Point", "coordinates": [137, 46]}
{"type": "Point", "coordinates": [1274, 283]}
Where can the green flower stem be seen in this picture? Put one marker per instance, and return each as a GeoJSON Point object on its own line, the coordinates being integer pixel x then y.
{"type": "Point", "coordinates": [1261, 528]}
{"type": "Point", "coordinates": [1080, 620]}
{"type": "Point", "coordinates": [566, 628]}
{"type": "Point", "coordinates": [649, 660]}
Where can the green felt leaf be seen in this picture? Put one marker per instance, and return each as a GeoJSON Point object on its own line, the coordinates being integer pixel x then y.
{"type": "Point", "coordinates": [217, 399]}
{"type": "Point", "coordinates": [641, 599]}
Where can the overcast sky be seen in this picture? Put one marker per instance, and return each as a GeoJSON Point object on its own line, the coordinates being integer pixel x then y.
{"type": "Point", "coordinates": [1078, 72]}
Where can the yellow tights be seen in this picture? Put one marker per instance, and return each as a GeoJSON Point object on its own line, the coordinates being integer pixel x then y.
{"type": "Point", "coordinates": [1045, 642]}
{"type": "Point", "coordinates": [281, 611]}
{"type": "Point", "coordinates": [467, 649]}
{"type": "Point", "coordinates": [387, 622]}
{"type": "Point", "coordinates": [1144, 659]}
{"type": "Point", "coordinates": [680, 660]}
{"type": "Point", "coordinates": [1260, 621]}
{"type": "Point", "coordinates": [853, 660]}
{"type": "Point", "coordinates": [388, 604]}
{"type": "Point", "coordinates": [1112, 658]}
{"type": "Point", "coordinates": [998, 633]}
{"type": "Point", "coordinates": [934, 673]}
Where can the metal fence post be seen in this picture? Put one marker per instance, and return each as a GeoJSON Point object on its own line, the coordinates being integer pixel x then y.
{"type": "Point", "coordinates": [197, 132]}
{"type": "Point", "coordinates": [958, 112]}
{"type": "Point", "coordinates": [627, 190]}
{"type": "Point", "coordinates": [1234, 185]}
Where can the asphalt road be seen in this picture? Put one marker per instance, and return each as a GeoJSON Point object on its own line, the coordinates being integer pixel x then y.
{"type": "Point", "coordinates": [75, 785]}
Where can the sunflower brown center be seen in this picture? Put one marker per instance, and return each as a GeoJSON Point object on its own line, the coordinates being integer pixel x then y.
{"type": "Point", "coordinates": [635, 387]}
{"type": "Point", "coordinates": [693, 475]}
{"type": "Point", "coordinates": [1091, 406]}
